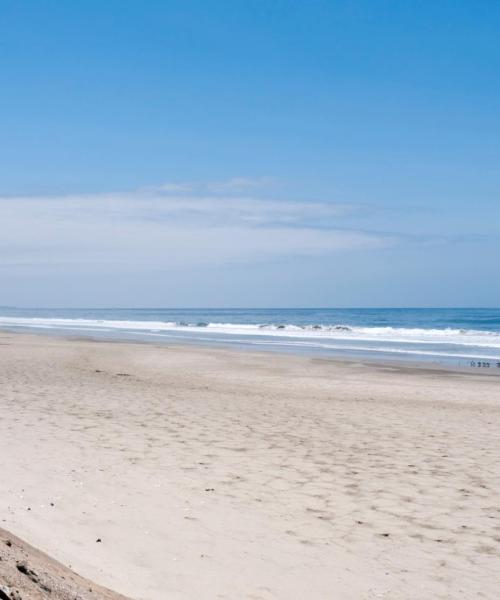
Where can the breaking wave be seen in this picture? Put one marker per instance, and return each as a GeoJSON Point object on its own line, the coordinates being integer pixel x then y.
{"type": "Point", "coordinates": [317, 332]}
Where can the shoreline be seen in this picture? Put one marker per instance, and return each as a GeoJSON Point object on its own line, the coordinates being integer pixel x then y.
{"type": "Point", "coordinates": [217, 473]}
{"type": "Point", "coordinates": [467, 339]}
{"type": "Point", "coordinates": [367, 359]}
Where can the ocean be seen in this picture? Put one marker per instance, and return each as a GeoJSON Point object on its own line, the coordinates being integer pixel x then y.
{"type": "Point", "coordinates": [458, 337]}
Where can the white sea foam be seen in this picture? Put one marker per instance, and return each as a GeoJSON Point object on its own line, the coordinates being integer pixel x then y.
{"type": "Point", "coordinates": [478, 355]}
{"type": "Point", "coordinates": [315, 334]}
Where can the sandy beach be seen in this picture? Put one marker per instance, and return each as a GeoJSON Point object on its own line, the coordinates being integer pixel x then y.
{"type": "Point", "coordinates": [193, 473]}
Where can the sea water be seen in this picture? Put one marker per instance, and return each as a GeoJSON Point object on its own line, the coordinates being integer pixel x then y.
{"type": "Point", "coordinates": [462, 337]}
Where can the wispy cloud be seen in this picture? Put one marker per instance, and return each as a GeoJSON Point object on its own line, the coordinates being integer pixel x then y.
{"type": "Point", "coordinates": [235, 186]}
{"type": "Point", "coordinates": [240, 184]}
{"type": "Point", "coordinates": [170, 226]}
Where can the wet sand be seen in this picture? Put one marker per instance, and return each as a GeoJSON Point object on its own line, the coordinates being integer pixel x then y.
{"type": "Point", "coordinates": [223, 474]}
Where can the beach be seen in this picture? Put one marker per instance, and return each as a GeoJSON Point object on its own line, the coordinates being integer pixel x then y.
{"type": "Point", "coordinates": [177, 472]}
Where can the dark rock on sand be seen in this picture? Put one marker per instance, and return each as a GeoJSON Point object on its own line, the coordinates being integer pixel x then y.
{"type": "Point", "coordinates": [28, 574]}
{"type": "Point", "coordinates": [7, 594]}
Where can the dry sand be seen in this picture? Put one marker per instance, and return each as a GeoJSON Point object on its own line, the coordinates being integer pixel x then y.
{"type": "Point", "coordinates": [212, 474]}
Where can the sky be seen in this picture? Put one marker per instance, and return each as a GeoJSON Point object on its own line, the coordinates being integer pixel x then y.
{"type": "Point", "coordinates": [249, 153]}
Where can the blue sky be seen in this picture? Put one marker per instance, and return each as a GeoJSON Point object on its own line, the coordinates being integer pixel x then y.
{"type": "Point", "coordinates": [256, 153]}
